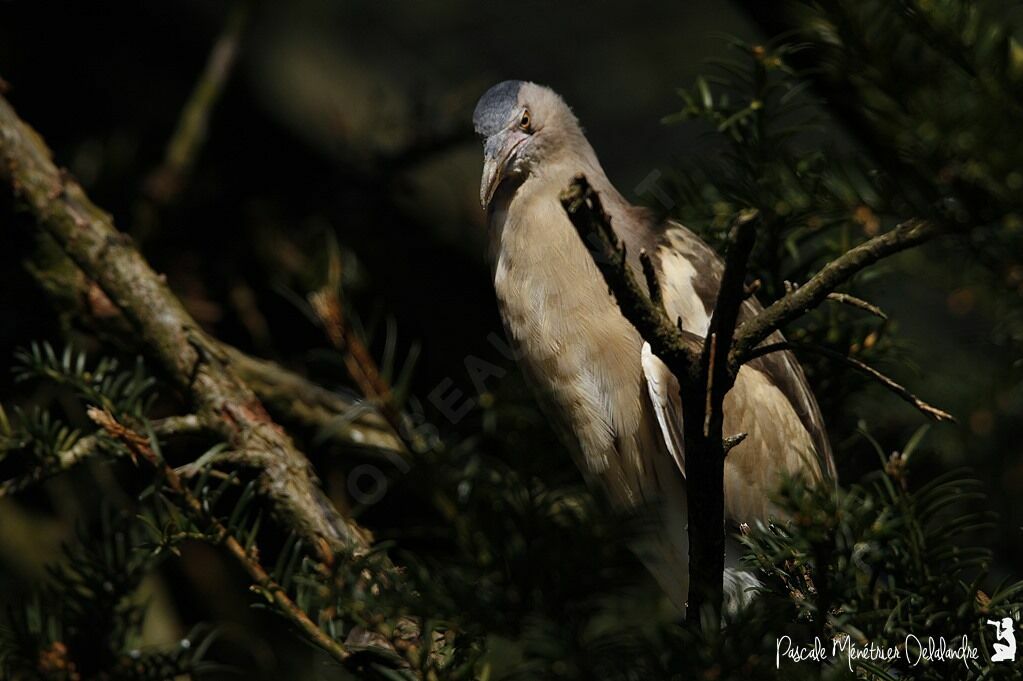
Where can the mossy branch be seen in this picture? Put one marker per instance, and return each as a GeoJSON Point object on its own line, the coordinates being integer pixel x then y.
{"type": "Point", "coordinates": [191, 359]}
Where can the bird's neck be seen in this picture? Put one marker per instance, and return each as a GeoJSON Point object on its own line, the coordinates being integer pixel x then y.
{"type": "Point", "coordinates": [540, 263]}
{"type": "Point", "coordinates": [526, 219]}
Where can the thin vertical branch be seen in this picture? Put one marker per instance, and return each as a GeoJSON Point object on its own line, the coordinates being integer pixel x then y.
{"type": "Point", "coordinates": [167, 180]}
{"type": "Point", "coordinates": [328, 306]}
{"type": "Point", "coordinates": [705, 467]}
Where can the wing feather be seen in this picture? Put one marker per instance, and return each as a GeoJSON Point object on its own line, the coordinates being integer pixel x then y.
{"type": "Point", "coordinates": [686, 264]}
{"type": "Point", "coordinates": [667, 403]}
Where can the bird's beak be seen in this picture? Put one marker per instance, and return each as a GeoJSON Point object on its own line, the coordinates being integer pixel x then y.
{"type": "Point", "coordinates": [498, 153]}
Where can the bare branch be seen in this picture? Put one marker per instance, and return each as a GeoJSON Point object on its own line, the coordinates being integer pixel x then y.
{"type": "Point", "coordinates": [173, 426]}
{"type": "Point", "coordinates": [699, 366]}
{"type": "Point", "coordinates": [166, 181]}
{"type": "Point", "coordinates": [706, 499]}
{"type": "Point", "coordinates": [732, 440]}
{"type": "Point", "coordinates": [927, 409]}
{"type": "Point", "coordinates": [731, 294]}
{"type": "Point", "coordinates": [846, 299]}
{"type": "Point", "coordinates": [667, 341]}
{"type": "Point", "coordinates": [712, 364]}
{"type": "Point", "coordinates": [858, 303]}
{"type": "Point", "coordinates": [652, 283]}
{"type": "Point", "coordinates": [754, 331]}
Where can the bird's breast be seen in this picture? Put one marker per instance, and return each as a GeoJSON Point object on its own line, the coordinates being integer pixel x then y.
{"type": "Point", "coordinates": [573, 342]}
{"type": "Point", "coordinates": [551, 296]}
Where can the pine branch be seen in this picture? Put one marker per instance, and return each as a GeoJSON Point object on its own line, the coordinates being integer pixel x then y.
{"type": "Point", "coordinates": [327, 305]}
{"type": "Point", "coordinates": [287, 395]}
{"type": "Point", "coordinates": [140, 447]}
{"type": "Point", "coordinates": [190, 358]}
{"type": "Point", "coordinates": [949, 44]}
{"type": "Point", "coordinates": [91, 445]}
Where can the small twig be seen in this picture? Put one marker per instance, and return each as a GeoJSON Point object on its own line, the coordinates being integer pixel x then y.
{"type": "Point", "coordinates": [359, 362]}
{"type": "Point", "coordinates": [708, 409]}
{"type": "Point", "coordinates": [732, 440]}
{"type": "Point", "coordinates": [793, 305]}
{"type": "Point", "coordinates": [858, 303]}
{"type": "Point", "coordinates": [927, 409]}
{"type": "Point", "coordinates": [189, 424]}
{"type": "Point", "coordinates": [846, 299]}
{"type": "Point", "coordinates": [66, 459]}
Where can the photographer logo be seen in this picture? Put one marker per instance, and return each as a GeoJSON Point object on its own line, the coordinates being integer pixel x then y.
{"type": "Point", "coordinates": [1005, 640]}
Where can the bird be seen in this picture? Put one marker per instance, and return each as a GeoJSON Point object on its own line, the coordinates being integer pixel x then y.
{"type": "Point", "coordinates": [615, 403]}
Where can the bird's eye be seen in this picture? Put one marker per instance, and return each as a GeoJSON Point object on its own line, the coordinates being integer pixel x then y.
{"type": "Point", "coordinates": [525, 120]}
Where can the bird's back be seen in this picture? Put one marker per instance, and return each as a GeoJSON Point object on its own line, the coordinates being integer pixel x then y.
{"type": "Point", "coordinates": [691, 273]}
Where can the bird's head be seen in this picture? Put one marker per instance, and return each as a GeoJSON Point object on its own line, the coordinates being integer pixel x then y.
{"type": "Point", "coordinates": [523, 125]}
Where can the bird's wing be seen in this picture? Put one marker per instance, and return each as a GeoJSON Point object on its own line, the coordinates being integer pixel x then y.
{"type": "Point", "coordinates": [686, 264]}
{"type": "Point", "coordinates": [667, 403]}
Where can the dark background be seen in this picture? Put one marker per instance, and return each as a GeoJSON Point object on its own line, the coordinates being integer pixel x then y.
{"type": "Point", "coordinates": [354, 118]}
